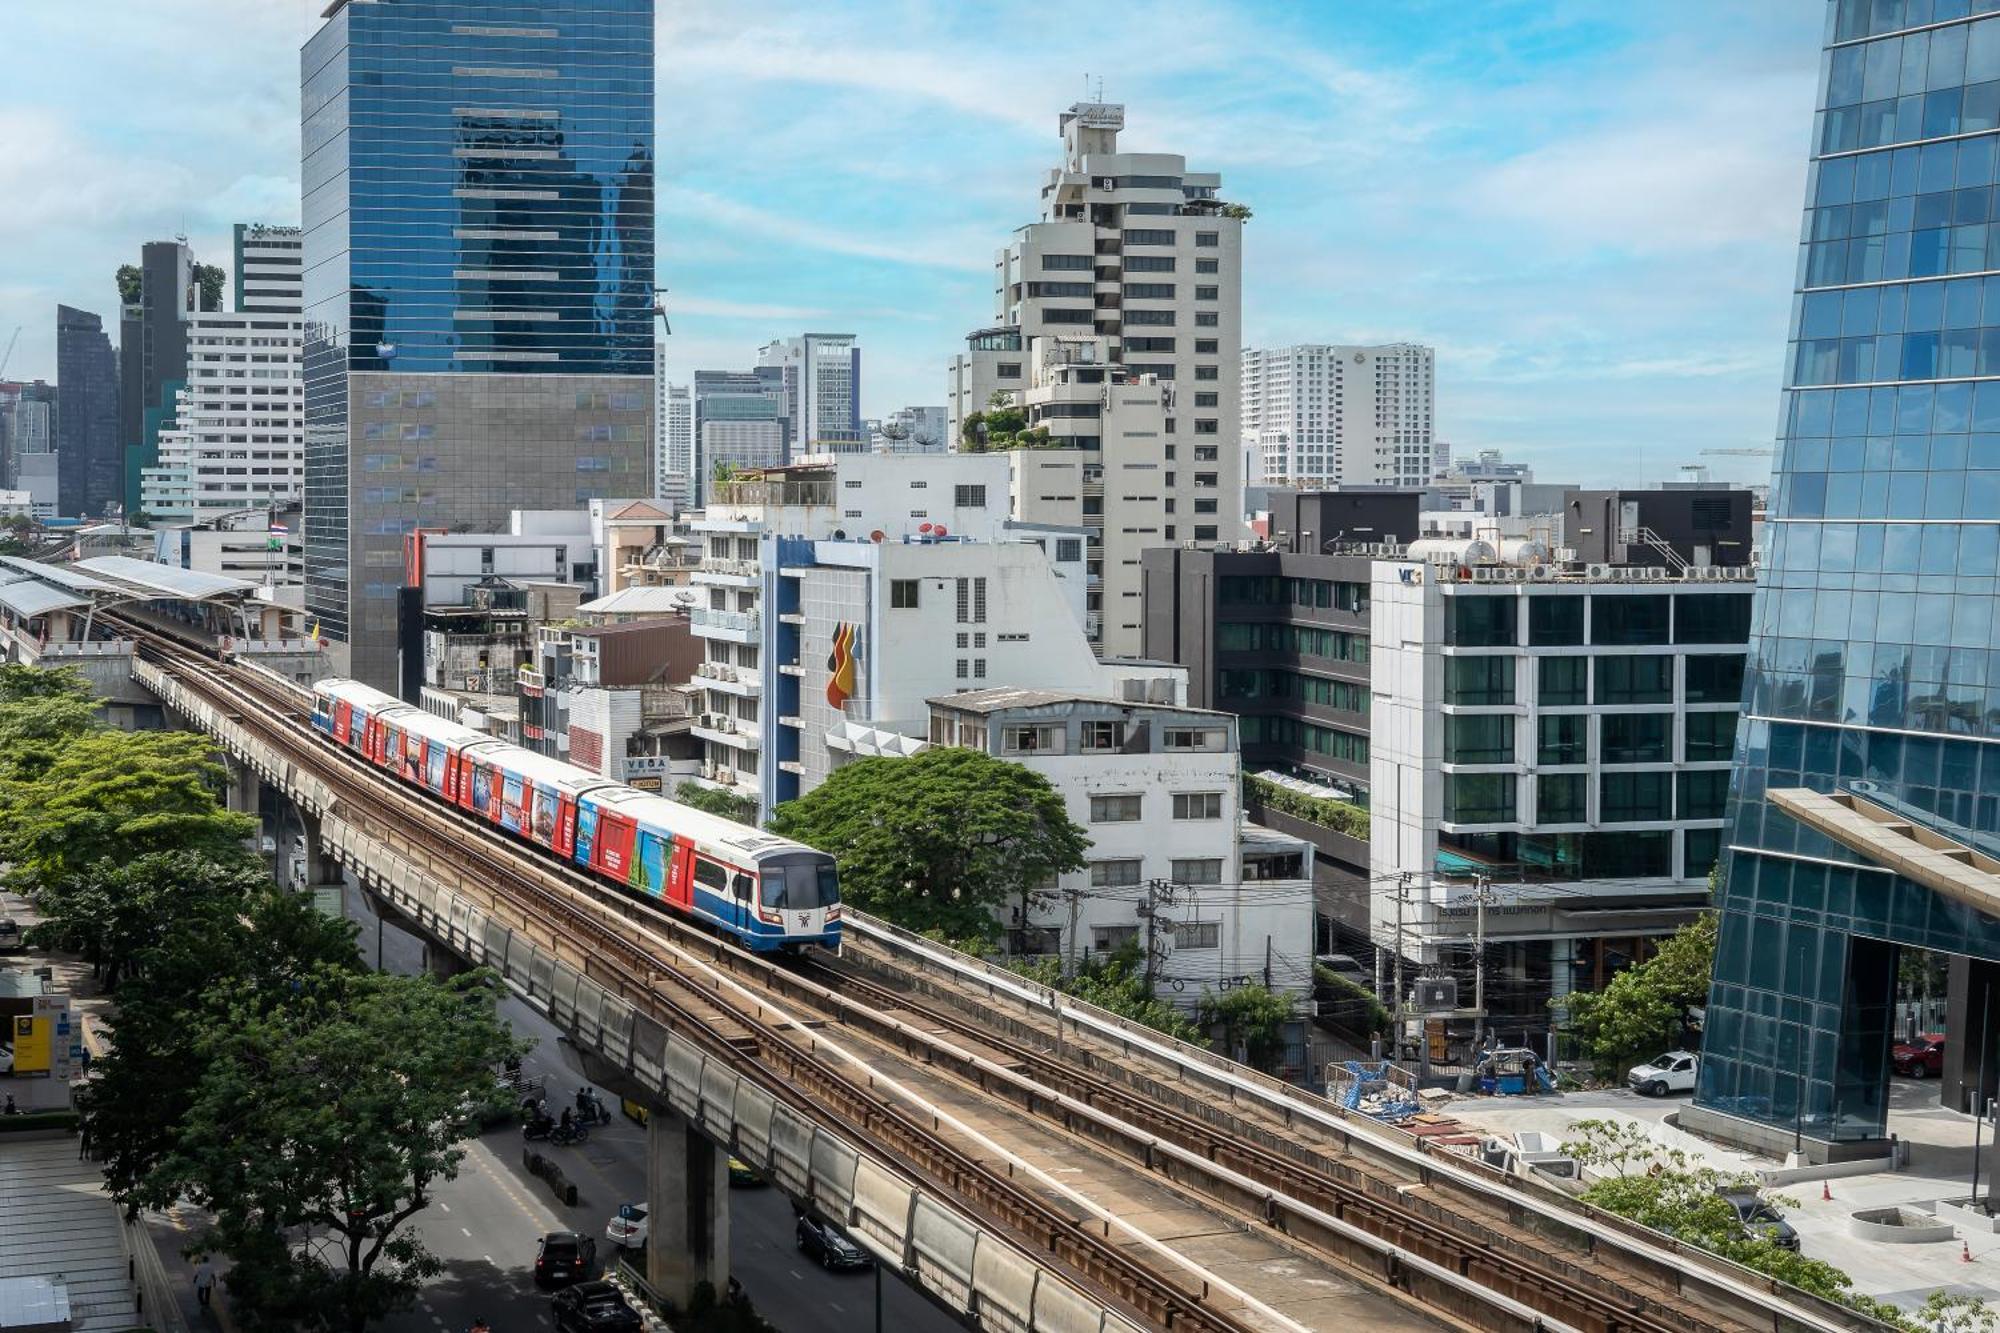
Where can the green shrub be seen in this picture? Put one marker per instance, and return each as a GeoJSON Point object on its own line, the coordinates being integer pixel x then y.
{"type": "Point", "coordinates": [1326, 811]}
{"type": "Point", "coordinates": [17, 1124]}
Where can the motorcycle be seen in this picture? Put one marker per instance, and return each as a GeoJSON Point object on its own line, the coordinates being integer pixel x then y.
{"type": "Point", "coordinates": [564, 1136]}
{"type": "Point", "coordinates": [539, 1127]}
{"type": "Point", "coordinates": [590, 1110]}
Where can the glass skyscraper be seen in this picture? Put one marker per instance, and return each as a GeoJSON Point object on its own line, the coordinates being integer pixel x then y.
{"type": "Point", "coordinates": [478, 210]}
{"type": "Point", "coordinates": [1875, 658]}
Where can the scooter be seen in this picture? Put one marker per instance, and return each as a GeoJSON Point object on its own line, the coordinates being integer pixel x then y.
{"type": "Point", "coordinates": [577, 1132]}
{"type": "Point", "coordinates": [590, 1110]}
{"type": "Point", "coordinates": [539, 1127]}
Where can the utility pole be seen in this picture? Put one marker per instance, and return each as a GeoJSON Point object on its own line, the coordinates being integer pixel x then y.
{"type": "Point", "coordinates": [1157, 891]}
{"type": "Point", "coordinates": [1070, 942]}
{"type": "Point", "coordinates": [1482, 894]}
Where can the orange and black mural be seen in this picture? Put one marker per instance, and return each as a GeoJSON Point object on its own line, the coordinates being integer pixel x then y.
{"type": "Point", "coordinates": [840, 666]}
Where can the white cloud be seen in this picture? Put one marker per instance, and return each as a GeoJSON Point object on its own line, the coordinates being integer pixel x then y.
{"type": "Point", "coordinates": [933, 251]}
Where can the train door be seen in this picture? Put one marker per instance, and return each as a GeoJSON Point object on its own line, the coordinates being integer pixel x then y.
{"type": "Point", "coordinates": [680, 891]}
{"type": "Point", "coordinates": [479, 780]}
{"type": "Point", "coordinates": [611, 846]}
{"type": "Point", "coordinates": [343, 721]}
{"type": "Point", "coordinates": [564, 840]}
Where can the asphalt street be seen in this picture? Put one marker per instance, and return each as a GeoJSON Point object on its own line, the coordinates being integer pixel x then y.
{"type": "Point", "coordinates": [485, 1223]}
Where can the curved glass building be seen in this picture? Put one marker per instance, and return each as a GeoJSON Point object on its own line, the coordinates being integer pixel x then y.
{"type": "Point", "coordinates": [1875, 658]}
{"type": "Point", "coordinates": [478, 210]}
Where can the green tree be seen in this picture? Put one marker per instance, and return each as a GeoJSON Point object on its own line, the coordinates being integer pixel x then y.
{"type": "Point", "coordinates": [1252, 1019]}
{"type": "Point", "coordinates": [113, 914]}
{"type": "Point", "coordinates": [131, 284]}
{"type": "Point", "coordinates": [112, 795]}
{"type": "Point", "coordinates": [264, 944]}
{"type": "Point", "coordinates": [208, 283]}
{"type": "Point", "coordinates": [1644, 1009]}
{"type": "Point", "coordinates": [40, 707]}
{"type": "Point", "coordinates": [318, 1128]}
{"type": "Point", "coordinates": [1114, 982]}
{"type": "Point", "coordinates": [942, 840]}
{"type": "Point", "coordinates": [742, 809]}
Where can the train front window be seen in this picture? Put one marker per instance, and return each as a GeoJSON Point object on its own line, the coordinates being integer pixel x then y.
{"type": "Point", "coordinates": [799, 883]}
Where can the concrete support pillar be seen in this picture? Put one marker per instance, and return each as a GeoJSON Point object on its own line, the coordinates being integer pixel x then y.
{"type": "Point", "coordinates": [687, 1209]}
{"type": "Point", "coordinates": [245, 793]}
{"type": "Point", "coordinates": [321, 870]}
{"type": "Point", "coordinates": [441, 962]}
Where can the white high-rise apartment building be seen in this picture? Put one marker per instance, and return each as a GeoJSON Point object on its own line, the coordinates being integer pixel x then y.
{"type": "Point", "coordinates": [1324, 415]}
{"type": "Point", "coordinates": [673, 446]}
{"type": "Point", "coordinates": [822, 377]}
{"type": "Point", "coordinates": [1136, 249]}
{"type": "Point", "coordinates": [239, 439]}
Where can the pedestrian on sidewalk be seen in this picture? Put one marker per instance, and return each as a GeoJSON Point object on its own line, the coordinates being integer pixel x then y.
{"type": "Point", "coordinates": [204, 1281]}
{"type": "Point", "coordinates": [83, 1139]}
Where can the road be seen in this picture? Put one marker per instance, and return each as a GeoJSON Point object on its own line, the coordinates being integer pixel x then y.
{"type": "Point", "coordinates": [485, 1223]}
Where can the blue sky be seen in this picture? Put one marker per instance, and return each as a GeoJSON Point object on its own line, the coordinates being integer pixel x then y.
{"type": "Point", "coordinates": [1589, 208]}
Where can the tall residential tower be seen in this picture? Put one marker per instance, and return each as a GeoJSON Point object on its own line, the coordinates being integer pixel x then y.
{"type": "Point", "coordinates": [1317, 415]}
{"type": "Point", "coordinates": [478, 198]}
{"type": "Point", "coordinates": [87, 453]}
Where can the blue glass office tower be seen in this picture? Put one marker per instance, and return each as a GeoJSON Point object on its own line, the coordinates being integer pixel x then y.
{"type": "Point", "coordinates": [1875, 658]}
{"type": "Point", "coordinates": [478, 210]}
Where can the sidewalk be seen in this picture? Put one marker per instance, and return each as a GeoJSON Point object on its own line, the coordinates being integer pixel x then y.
{"type": "Point", "coordinates": [56, 1221]}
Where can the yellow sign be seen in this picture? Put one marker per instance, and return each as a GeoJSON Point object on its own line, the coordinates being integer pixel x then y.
{"type": "Point", "coordinates": [31, 1044]}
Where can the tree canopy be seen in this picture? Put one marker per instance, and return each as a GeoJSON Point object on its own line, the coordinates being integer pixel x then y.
{"type": "Point", "coordinates": [742, 809]}
{"type": "Point", "coordinates": [939, 841]}
{"type": "Point", "coordinates": [1114, 982]}
{"type": "Point", "coordinates": [1252, 1020]}
{"type": "Point", "coordinates": [1644, 1009]}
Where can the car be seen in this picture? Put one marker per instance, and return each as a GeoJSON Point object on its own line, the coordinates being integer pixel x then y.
{"type": "Point", "coordinates": [10, 933]}
{"type": "Point", "coordinates": [741, 1173]}
{"type": "Point", "coordinates": [1759, 1220]}
{"type": "Point", "coordinates": [594, 1307]}
{"type": "Point", "coordinates": [1922, 1058]}
{"type": "Point", "coordinates": [1345, 967]}
{"type": "Point", "coordinates": [564, 1258]}
{"type": "Point", "coordinates": [1670, 1071]}
{"type": "Point", "coordinates": [830, 1247]}
{"type": "Point", "coordinates": [628, 1230]}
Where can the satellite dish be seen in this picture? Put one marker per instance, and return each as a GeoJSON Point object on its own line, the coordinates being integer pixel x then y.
{"type": "Point", "coordinates": [840, 534]}
{"type": "Point", "coordinates": [877, 535]}
{"type": "Point", "coordinates": [938, 531]}
{"type": "Point", "coordinates": [923, 527]}
{"type": "Point", "coordinates": [684, 599]}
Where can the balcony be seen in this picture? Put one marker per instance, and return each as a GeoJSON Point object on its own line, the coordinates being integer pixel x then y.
{"type": "Point", "coordinates": [728, 626]}
{"type": "Point", "coordinates": [727, 573]}
{"type": "Point", "coordinates": [749, 494]}
{"type": "Point", "coordinates": [743, 682]}
{"type": "Point", "coordinates": [722, 729]}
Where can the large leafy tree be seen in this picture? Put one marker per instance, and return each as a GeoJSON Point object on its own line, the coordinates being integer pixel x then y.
{"type": "Point", "coordinates": [1644, 1010]}
{"type": "Point", "coordinates": [939, 841]}
{"type": "Point", "coordinates": [114, 913]}
{"type": "Point", "coordinates": [714, 800]}
{"type": "Point", "coordinates": [40, 709]}
{"type": "Point", "coordinates": [318, 1127]}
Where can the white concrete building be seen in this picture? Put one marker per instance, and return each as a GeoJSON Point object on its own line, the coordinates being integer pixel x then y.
{"type": "Point", "coordinates": [1317, 415]}
{"type": "Point", "coordinates": [255, 548]}
{"type": "Point", "coordinates": [1172, 866]}
{"type": "Point", "coordinates": [890, 578]}
{"type": "Point", "coordinates": [994, 361]}
{"type": "Point", "coordinates": [911, 430]}
{"type": "Point", "coordinates": [1139, 250]}
{"type": "Point", "coordinates": [673, 461]}
{"type": "Point", "coordinates": [739, 445]}
{"type": "Point", "coordinates": [822, 378]}
{"type": "Point", "coordinates": [1561, 736]}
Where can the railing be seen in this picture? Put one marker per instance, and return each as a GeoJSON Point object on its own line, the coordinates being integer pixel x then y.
{"type": "Point", "coordinates": [748, 493]}
{"type": "Point", "coordinates": [707, 617]}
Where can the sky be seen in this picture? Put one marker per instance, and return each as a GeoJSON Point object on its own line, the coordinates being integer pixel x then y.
{"type": "Point", "coordinates": [1589, 207]}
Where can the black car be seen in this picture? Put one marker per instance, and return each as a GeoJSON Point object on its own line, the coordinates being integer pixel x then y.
{"type": "Point", "coordinates": [564, 1257]}
{"type": "Point", "coordinates": [594, 1307]}
{"type": "Point", "coordinates": [828, 1246]}
{"type": "Point", "coordinates": [1759, 1220]}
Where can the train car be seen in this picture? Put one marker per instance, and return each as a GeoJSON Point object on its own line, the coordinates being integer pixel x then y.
{"type": "Point", "coordinates": [768, 892]}
{"type": "Point", "coordinates": [343, 709]}
{"type": "Point", "coordinates": [765, 891]}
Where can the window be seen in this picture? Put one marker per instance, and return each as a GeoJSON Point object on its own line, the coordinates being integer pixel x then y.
{"type": "Point", "coordinates": [1715, 679]}
{"type": "Point", "coordinates": [1207, 373]}
{"type": "Point", "coordinates": [1629, 620]}
{"type": "Point", "coordinates": [1149, 291]}
{"type": "Point", "coordinates": [1114, 874]}
{"type": "Point", "coordinates": [1149, 236]}
{"type": "Point", "coordinates": [1207, 319]}
{"type": "Point", "coordinates": [903, 594]}
{"type": "Point", "coordinates": [1045, 739]}
{"type": "Point", "coordinates": [1155, 318]}
{"type": "Point", "coordinates": [1703, 794]}
{"type": "Point", "coordinates": [1008, 370]}
{"type": "Point", "coordinates": [1110, 939]}
{"type": "Point", "coordinates": [1479, 798]}
{"type": "Point", "coordinates": [1481, 622]}
{"type": "Point", "coordinates": [1701, 849]}
{"type": "Point", "coordinates": [1207, 266]}
{"type": "Point", "coordinates": [1205, 346]}
{"type": "Point", "coordinates": [1197, 805]}
{"type": "Point", "coordinates": [1198, 870]}
{"type": "Point", "coordinates": [1478, 681]}
{"type": "Point", "coordinates": [1563, 681]}
{"type": "Point", "coordinates": [1555, 622]}
{"type": "Point", "coordinates": [1479, 738]}
{"type": "Point", "coordinates": [1149, 263]}
{"type": "Point", "coordinates": [1631, 797]}
{"type": "Point", "coordinates": [1635, 680]}
{"type": "Point", "coordinates": [1212, 739]}
{"type": "Point", "coordinates": [1208, 400]}
{"type": "Point", "coordinates": [1207, 426]}
{"type": "Point", "coordinates": [1081, 290]}
{"type": "Point", "coordinates": [968, 497]}
{"type": "Point", "coordinates": [1114, 809]}
{"type": "Point", "coordinates": [1634, 738]}
{"type": "Point", "coordinates": [1712, 617]}
{"type": "Point", "coordinates": [1103, 735]}
{"type": "Point", "coordinates": [1069, 263]}
{"type": "Point", "coordinates": [1197, 934]}
{"type": "Point", "coordinates": [710, 875]}
{"type": "Point", "coordinates": [1563, 738]}
{"type": "Point", "coordinates": [1206, 293]}
{"type": "Point", "coordinates": [1207, 240]}
{"type": "Point", "coordinates": [1561, 798]}
{"type": "Point", "coordinates": [1069, 550]}
{"type": "Point", "coordinates": [1710, 737]}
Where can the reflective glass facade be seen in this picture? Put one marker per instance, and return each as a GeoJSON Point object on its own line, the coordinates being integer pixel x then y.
{"type": "Point", "coordinates": [478, 200]}
{"type": "Point", "coordinates": [1875, 656]}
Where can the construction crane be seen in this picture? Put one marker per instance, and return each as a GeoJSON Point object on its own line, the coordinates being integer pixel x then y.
{"type": "Point", "coordinates": [8, 355]}
{"type": "Point", "coordinates": [1737, 453]}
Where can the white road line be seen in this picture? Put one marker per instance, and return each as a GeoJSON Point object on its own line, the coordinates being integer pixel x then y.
{"type": "Point", "coordinates": [468, 1234]}
{"type": "Point", "coordinates": [445, 1206]}
{"type": "Point", "coordinates": [796, 1274]}
{"type": "Point", "coordinates": [487, 1257]}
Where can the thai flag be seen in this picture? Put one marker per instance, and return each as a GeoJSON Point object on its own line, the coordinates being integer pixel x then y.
{"type": "Point", "coordinates": [279, 527]}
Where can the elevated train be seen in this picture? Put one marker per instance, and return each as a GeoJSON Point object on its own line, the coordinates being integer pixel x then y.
{"type": "Point", "coordinates": [768, 893]}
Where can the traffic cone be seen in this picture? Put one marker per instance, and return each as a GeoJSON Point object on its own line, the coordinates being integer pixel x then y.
{"type": "Point", "coordinates": [1964, 1251]}
{"type": "Point", "coordinates": [1825, 1192]}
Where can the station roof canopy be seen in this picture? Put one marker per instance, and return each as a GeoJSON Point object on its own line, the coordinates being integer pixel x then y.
{"type": "Point", "coordinates": [189, 585]}
{"type": "Point", "coordinates": [63, 576]}
{"type": "Point", "coordinates": [27, 598]}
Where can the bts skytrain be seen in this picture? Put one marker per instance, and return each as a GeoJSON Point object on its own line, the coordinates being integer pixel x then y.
{"type": "Point", "coordinates": [767, 892]}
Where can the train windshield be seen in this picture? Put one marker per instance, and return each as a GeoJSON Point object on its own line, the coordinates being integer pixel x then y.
{"type": "Point", "coordinates": [799, 883]}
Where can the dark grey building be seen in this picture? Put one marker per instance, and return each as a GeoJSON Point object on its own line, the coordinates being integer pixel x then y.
{"type": "Point", "coordinates": [1664, 527]}
{"type": "Point", "coordinates": [87, 445]}
{"type": "Point", "coordinates": [152, 358]}
{"type": "Point", "coordinates": [478, 210]}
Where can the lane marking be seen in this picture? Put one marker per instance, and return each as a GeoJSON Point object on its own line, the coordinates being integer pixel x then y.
{"type": "Point", "coordinates": [797, 1276]}
{"type": "Point", "coordinates": [467, 1232]}
{"type": "Point", "coordinates": [445, 1206]}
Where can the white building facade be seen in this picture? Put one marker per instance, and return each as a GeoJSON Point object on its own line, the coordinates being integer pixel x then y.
{"type": "Point", "coordinates": [1144, 253]}
{"type": "Point", "coordinates": [1319, 415]}
{"type": "Point", "coordinates": [1172, 867]}
{"type": "Point", "coordinates": [1559, 739]}
{"type": "Point", "coordinates": [822, 378]}
{"type": "Point", "coordinates": [673, 454]}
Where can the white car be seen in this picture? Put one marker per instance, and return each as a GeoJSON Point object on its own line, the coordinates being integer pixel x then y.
{"type": "Point", "coordinates": [628, 1230]}
{"type": "Point", "coordinates": [1673, 1071]}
